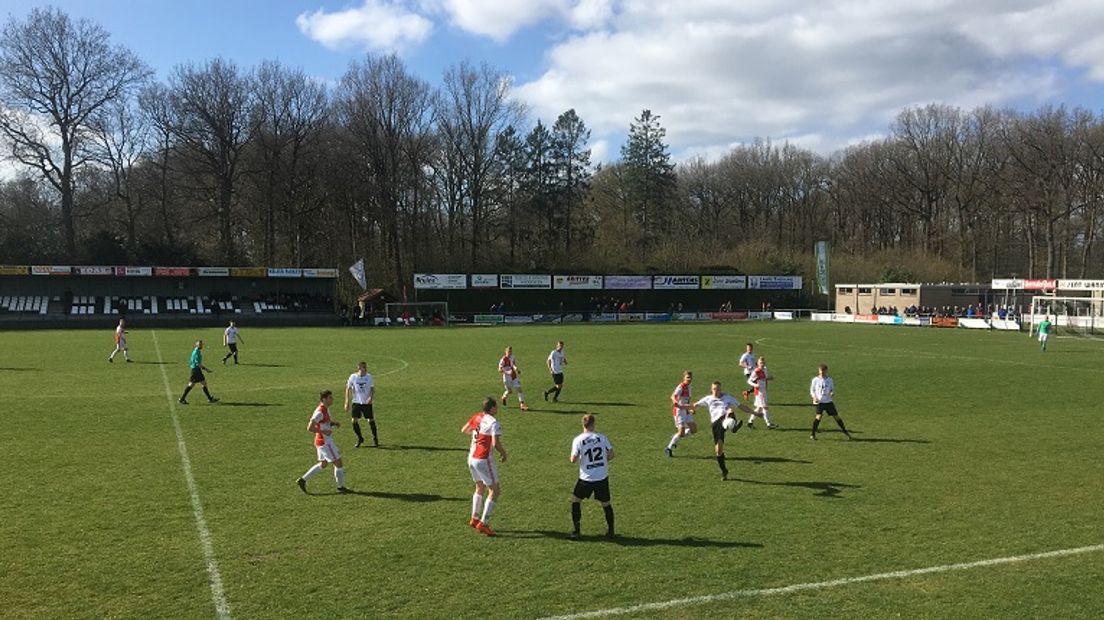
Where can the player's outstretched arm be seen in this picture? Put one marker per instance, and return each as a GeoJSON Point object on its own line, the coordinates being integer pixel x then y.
{"type": "Point", "coordinates": [499, 447]}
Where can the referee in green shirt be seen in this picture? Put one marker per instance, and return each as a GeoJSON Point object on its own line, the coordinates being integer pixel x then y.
{"type": "Point", "coordinates": [196, 364]}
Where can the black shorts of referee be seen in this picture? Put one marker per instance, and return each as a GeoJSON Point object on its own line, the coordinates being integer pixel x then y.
{"type": "Point", "coordinates": [197, 376]}
{"type": "Point", "coordinates": [828, 407]}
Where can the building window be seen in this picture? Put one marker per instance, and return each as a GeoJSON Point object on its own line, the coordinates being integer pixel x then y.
{"type": "Point", "coordinates": [845, 291]}
{"type": "Point", "coordinates": [908, 291]}
{"type": "Point", "coordinates": [864, 291]}
{"type": "Point", "coordinates": [887, 292]}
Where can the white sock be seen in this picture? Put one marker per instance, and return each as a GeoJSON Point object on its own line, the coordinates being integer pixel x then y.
{"type": "Point", "coordinates": [488, 508]}
{"type": "Point", "coordinates": [125, 354]}
{"type": "Point", "coordinates": [521, 397]}
{"type": "Point", "coordinates": [674, 440]}
{"type": "Point", "coordinates": [312, 471]}
{"type": "Point", "coordinates": [766, 417]}
{"type": "Point", "coordinates": [339, 475]}
{"type": "Point", "coordinates": [477, 505]}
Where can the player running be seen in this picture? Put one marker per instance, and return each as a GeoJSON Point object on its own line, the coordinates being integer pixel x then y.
{"type": "Point", "coordinates": [593, 452]}
{"type": "Point", "coordinates": [682, 412]}
{"type": "Point", "coordinates": [230, 339]}
{"type": "Point", "coordinates": [120, 342]}
{"type": "Point", "coordinates": [322, 426]}
{"type": "Point", "coordinates": [758, 379]}
{"type": "Point", "coordinates": [1044, 332]}
{"type": "Point", "coordinates": [486, 438]}
{"type": "Point", "coordinates": [556, 361]}
{"type": "Point", "coordinates": [747, 364]}
{"type": "Point", "coordinates": [508, 368]}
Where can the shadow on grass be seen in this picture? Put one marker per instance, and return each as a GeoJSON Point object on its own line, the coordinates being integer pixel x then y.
{"type": "Point", "coordinates": [231, 403]}
{"type": "Point", "coordinates": [420, 448]}
{"type": "Point", "coordinates": [13, 369]}
{"type": "Point", "coordinates": [808, 405]}
{"type": "Point", "coordinates": [154, 363]}
{"type": "Point", "coordinates": [552, 411]}
{"type": "Point", "coordinates": [596, 403]}
{"type": "Point", "coordinates": [823, 489]}
{"type": "Point", "coordinates": [629, 541]}
{"type": "Point", "coordinates": [260, 365]}
{"type": "Point", "coordinates": [755, 460]}
{"type": "Point", "coordinates": [418, 498]}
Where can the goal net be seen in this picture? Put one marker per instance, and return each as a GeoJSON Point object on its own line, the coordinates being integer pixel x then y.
{"type": "Point", "coordinates": [418, 313]}
{"type": "Point", "coordinates": [1081, 316]}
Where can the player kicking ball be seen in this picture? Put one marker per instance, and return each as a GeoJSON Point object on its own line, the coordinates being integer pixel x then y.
{"type": "Point", "coordinates": [722, 415]}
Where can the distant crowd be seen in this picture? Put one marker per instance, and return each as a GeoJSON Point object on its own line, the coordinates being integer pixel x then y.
{"type": "Point", "coordinates": [962, 312]}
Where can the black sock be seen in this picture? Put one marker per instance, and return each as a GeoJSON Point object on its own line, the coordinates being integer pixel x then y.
{"type": "Point", "coordinates": [816, 425]}
{"type": "Point", "coordinates": [557, 396]}
{"type": "Point", "coordinates": [235, 358]}
{"type": "Point", "coordinates": [839, 421]}
{"type": "Point", "coordinates": [227, 357]}
{"type": "Point", "coordinates": [209, 397]}
{"type": "Point", "coordinates": [576, 515]}
{"type": "Point", "coordinates": [372, 425]}
{"type": "Point", "coordinates": [721, 462]}
{"type": "Point", "coordinates": [356, 429]}
{"type": "Point", "coordinates": [185, 394]}
{"type": "Point", "coordinates": [609, 517]}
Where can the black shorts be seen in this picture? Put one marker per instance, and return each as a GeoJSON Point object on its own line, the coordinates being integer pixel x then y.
{"type": "Point", "coordinates": [197, 376]}
{"type": "Point", "coordinates": [599, 489]}
{"type": "Point", "coordinates": [828, 407]}
{"type": "Point", "coordinates": [233, 347]}
{"type": "Point", "coordinates": [718, 431]}
{"type": "Point", "coordinates": [557, 378]}
{"type": "Point", "coordinates": [363, 410]}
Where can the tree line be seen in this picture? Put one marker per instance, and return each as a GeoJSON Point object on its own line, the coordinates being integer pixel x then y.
{"type": "Point", "coordinates": [225, 165]}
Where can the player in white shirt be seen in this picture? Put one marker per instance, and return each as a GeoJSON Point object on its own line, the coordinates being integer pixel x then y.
{"type": "Point", "coordinates": [758, 379]}
{"type": "Point", "coordinates": [823, 390]}
{"type": "Point", "coordinates": [747, 364]}
{"type": "Point", "coordinates": [322, 426]}
{"type": "Point", "coordinates": [486, 439]}
{"type": "Point", "coordinates": [231, 338]}
{"type": "Point", "coordinates": [721, 405]}
{"type": "Point", "coordinates": [556, 361]}
{"type": "Point", "coordinates": [360, 390]}
{"type": "Point", "coordinates": [508, 368]}
{"type": "Point", "coordinates": [593, 452]}
{"type": "Point", "coordinates": [682, 410]}
{"type": "Point", "coordinates": [120, 342]}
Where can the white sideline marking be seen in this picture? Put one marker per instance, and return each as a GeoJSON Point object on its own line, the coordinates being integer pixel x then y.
{"type": "Point", "coordinates": [218, 596]}
{"type": "Point", "coordinates": [698, 600]}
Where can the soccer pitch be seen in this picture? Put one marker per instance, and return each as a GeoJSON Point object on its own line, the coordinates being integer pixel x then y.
{"type": "Point", "coordinates": [969, 447]}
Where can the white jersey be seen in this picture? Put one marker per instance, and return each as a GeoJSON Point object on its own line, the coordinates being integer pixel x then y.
{"type": "Point", "coordinates": [231, 335]}
{"type": "Point", "coordinates": [361, 387]}
{"type": "Point", "coordinates": [718, 407]}
{"type": "Point", "coordinates": [556, 361]}
{"type": "Point", "coordinates": [821, 389]}
{"type": "Point", "coordinates": [592, 450]}
{"type": "Point", "coordinates": [747, 363]}
{"type": "Point", "coordinates": [120, 337]}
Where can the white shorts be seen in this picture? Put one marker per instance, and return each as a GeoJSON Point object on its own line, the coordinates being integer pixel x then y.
{"type": "Point", "coordinates": [1043, 337]}
{"type": "Point", "coordinates": [511, 384]}
{"type": "Point", "coordinates": [483, 470]}
{"type": "Point", "coordinates": [119, 346]}
{"type": "Point", "coordinates": [683, 419]}
{"type": "Point", "coordinates": [328, 452]}
{"type": "Point", "coordinates": [761, 400]}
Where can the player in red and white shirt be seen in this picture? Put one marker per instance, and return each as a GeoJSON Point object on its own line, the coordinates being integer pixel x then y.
{"type": "Point", "coordinates": [120, 342]}
{"type": "Point", "coordinates": [758, 379]}
{"type": "Point", "coordinates": [508, 368]}
{"type": "Point", "coordinates": [683, 412]}
{"type": "Point", "coordinates": [486, 439]}
{"type": "Point", "coordinates": [322, 426]}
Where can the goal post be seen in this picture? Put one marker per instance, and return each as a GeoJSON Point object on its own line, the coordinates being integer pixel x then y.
{"type": "Point", "coordinates": [1082, 316]}
{"type": "Point", "coordinates": [418, 313]}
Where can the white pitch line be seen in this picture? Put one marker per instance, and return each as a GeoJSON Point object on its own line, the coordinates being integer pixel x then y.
{"type": "Point", "coordinates": [218, 596]}
{"type": "Point", "coordinates": [901, 574]}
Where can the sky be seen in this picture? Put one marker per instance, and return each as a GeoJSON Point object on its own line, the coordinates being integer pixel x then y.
{"type": "Point", "coordinates": [821, 74]}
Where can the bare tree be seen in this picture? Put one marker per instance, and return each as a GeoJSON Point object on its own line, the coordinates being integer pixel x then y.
{"type": "Point", "coordinates": [56, 76]}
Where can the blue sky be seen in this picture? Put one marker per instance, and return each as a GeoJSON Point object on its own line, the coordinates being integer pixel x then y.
{"type": "Point", "coordinates": [821, 74]}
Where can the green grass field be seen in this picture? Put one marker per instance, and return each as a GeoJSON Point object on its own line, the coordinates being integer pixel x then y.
{"type": "Point", "coordinates": [969, 446]}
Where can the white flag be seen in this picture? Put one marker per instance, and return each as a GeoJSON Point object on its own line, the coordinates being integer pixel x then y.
{"type": "Point", "coordinates": [358, 272]}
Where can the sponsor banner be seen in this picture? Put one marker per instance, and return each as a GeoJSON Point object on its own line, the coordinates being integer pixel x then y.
{"type": "Point", "coordinates": [684, 316]}
{"type": "Point", "coordinates": [822, 266]}
{"type": "Point", "coordinates": [676, 282]}
{"type": "Point", "coordinates": [604, 317]}
{"type": "Point", "coordinates": [945, 321]}
{"type": "Point", "coordinates": [172, 271]}
{"type": "Point", "coordinates": [319, 273]}
{"type": "Point", "coordinates": [630, 316]}
{"type": "Point", "coordinates": [784, 316]}
{"type": "Point", "coordinates": [132, 272]}
{"type": "Point", "coordinates": [248, 272]}
{"type": "Point", "coordinates": [212, 272]}
{"type": "Point", "coordinates": [657, 316]}
{"type": "Point", "coordinates": [890, 319]}
{"type": "Point", "coordinates": [577, 282]}
{"type": "Point", "coordinates": [775, 282]}
{"type": "Point", "coordinates": [572, 318]}
{"type": "Point", "coordinates": [524, 281]}
{"type": "Point", "coordinates": [628, 282]}
{"type": "Point", "coordinates": [1040, 285]}
{"type": "Point", "coordinates": [1006, 283]}
{"type": "Point", "coordinates": [440, 281]}
{"type": "Point", "coordinates": [1005, 324]}
{"type": "Point", "coordinates": [520, 318]}
{"type": "Point", "coordinates": [723, 282]}
{"type": "Point", "coordinates": [914, 321]}
{"type": "Point", "coordinates": [843, 318]}
{"type": "Point", "coordinates": [728, 316]}
{"type": "Point", "coordinates": [484, 280]}
{"type": "Point", "coordinates": [926, 320]}
{"type": "Point", "coordinates": [51, 270]}
{"type": "Point", "coordinates": [488, 319]}
{"type": "Point", "coordinates": [284, 272]}
{"type": "Point", "coordinates": [866, 318]}
{"type": "Point", "coordinates": [758, 316]}
{"type": "Point", "coordinates": [824, 316]}
{"type": "Point", "coordinates": [13, 270]}
{"type": "Point", "coordinates": [95, 271]}
{"type": "Point", "coordinates": [974, 323]}
{"type": "Point", "coordinates": [1081, 285]}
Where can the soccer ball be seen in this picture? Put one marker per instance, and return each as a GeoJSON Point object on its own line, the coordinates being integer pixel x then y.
{"type": "Point", "coordinates": [729, 424]}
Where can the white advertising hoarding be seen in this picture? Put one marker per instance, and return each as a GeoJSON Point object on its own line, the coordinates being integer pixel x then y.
{"type": "Point", "coordinates": [440, 280]}
{"type": "Point", "coordinates": [723, 282]}
{"type": "Point", "coordinates": [676, 282]}
{"type": "Point", "coordinates": [484, 280]}
{"type": "Point", "coordinates": [524, 281]}
{"type": "Point", "coordinates": [775, 283]}
{"type": "Point", "coordinates": [577, 282]}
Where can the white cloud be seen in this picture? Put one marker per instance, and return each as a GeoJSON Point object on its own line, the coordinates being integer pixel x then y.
{"type": "Point", "coordinates": [819, 74]}
{"type": "Point", "coordinates": [501, 19]}
{"type": "Point", "coordinates": [376, 24]}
